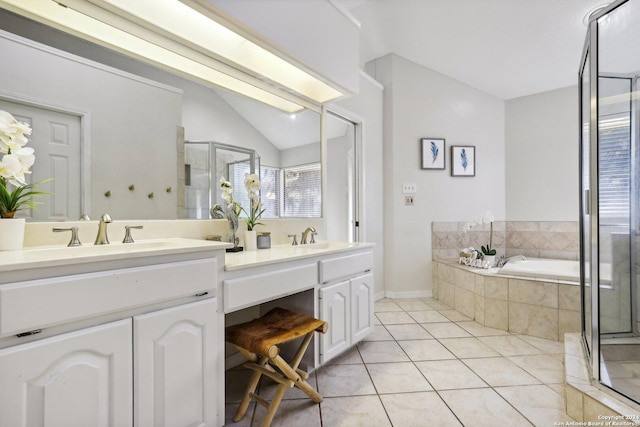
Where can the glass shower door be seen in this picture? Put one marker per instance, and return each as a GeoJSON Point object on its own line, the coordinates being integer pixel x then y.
{"type": "Point", "coordinates": [609, 182]}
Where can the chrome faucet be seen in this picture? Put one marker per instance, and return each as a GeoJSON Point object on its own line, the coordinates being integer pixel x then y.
{"type": "Point", "coordinates": [101, 238]}
{"type": "Point", "coordinates": [305, 233]}
{"type": "Point", "coordinates": [502, 261]}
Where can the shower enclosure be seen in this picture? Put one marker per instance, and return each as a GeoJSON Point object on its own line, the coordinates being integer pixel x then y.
{"type": "Point", "coordinates": [609, 189]}
{"type": "Point", "coordinates": [205, 163]}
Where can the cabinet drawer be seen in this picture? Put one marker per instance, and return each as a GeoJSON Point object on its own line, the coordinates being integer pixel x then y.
{"type": "Point", "coordinates": [255, 289]}
{"type": "Point", "coordinates": [34, 304]}
{"type": "Point", "coordinates": [345, 266]}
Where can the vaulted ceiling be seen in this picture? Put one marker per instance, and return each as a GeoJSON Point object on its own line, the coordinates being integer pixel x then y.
{"type": "Point", "coordinates": [507, 48]}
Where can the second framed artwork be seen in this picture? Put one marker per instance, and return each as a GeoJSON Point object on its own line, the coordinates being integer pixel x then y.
{"type": "Point", "coordinates": [463, 160]}
{"type": "Point", "coordinates": [433, 153]}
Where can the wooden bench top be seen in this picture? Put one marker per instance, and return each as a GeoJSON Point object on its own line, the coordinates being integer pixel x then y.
{"type": "Point", "coordinates": [262, 336]}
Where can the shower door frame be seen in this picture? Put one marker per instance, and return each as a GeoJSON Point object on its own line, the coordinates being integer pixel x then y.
{"type": "Point", "coordinates": [213, 146]}
{"type": "Point", "coordinates": [589, 200]}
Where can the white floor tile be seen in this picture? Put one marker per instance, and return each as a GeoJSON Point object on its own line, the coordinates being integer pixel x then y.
{"type": "Point", "coordinates": [445, 330]}
{"type": "Point", "coordinates": [509, 345]}
{"type": "Point", "coordinates": [425, 350]}
{"type": "Point", "coordinates": [344, 380]}
{"type": "Point", "coordinates": [540, 404]}
{"type": "Point", "coordinates": [354, 411]}
{"type": "Point", "coordinates": [500, 371]}
{"type": "Point", "coordinates": [482, 407]}
{"type": "Point", "coordinates": [450, 374]}
{"type": "Point", "coordinates": [400, 377]}
{"type": "Point", "coordinates": [544, 367]}
{"type": "Point", "coordinates": [394, 317]}
{"type": "Point", "coordinates": [382, 351]}
{"type": "Point", "coordinates": [468, 347]}
{"type": "Point", "coordinates": [418, 410]}
{"type": "Point", "coordinates": [430, 316]}
{"type": "Point", "coordinates": [408, 332]}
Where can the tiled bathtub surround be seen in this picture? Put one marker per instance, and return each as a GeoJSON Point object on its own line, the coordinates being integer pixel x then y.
{"type": "Point", "coordinates": [539, 239]}
{"type": "Point", "coordinates": [545, 309]}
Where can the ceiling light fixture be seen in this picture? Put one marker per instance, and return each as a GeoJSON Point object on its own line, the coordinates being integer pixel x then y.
{"type": "Point", "coordinates": [174, 36]}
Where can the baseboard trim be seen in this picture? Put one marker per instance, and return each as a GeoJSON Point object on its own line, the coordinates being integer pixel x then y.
{"type": "Point", "coordinates": [408, 294]}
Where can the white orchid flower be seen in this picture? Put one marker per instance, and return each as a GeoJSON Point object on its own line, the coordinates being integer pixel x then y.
{"type": "Point", "coordinates": [12, 133]}
{"type": "Point", "coordinates": [11, 169]}
{"type": "Point", "coordinates": [27, 158]}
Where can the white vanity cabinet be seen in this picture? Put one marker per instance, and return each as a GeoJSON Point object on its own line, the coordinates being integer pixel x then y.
{"type": "Point", "coordinates": [131, 343]}
{"type": "Point", "coordinates": [81, 378]}
{"type": "Point", "coordinates": [346, 299]}
{"type": "Point", "coordinates": [175, 366]}
{"type": "Point", "coordinates": [96, 377]}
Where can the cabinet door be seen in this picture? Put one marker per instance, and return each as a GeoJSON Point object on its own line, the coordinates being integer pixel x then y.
{"type": "Point", "coordinates": [361, 307]}
{"type": "Point", "coordinates": [175, 366]}
{"type": "Point", "coordinates": [81, 378]}
{"type": "Point", "coordinates": [334, 308]}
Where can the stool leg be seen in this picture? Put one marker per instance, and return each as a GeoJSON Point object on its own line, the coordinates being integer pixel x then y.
{"type": "Point", "coordinates": [273, 406]}
{"type": "Point", "coordinates": [253, 383]}
{"type": "Point", "coordinates": [298, 381]}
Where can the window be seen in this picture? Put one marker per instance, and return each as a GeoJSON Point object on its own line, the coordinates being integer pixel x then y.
{"type": "Point", "coordinates": [270, 192]}
{"type": "Point", "coordinates": [303, 191]}
{"type": "Point", "coordinates": [614, 161]}
{"type": "Point", "coordinates": [293, 192]}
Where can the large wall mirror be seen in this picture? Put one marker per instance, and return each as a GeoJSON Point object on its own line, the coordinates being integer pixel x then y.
{"type": "Point", "coordinates": [111, 130]}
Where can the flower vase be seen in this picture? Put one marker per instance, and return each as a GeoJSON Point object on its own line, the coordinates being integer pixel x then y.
{"type": "Point", "coordinates": [491, 259]}
{"type": "Point", "coordinates": [250, 240]}
{"type": "Point", "coordinates": [232, 219]}
{"type": "Point", "coordinates": [11, 233]}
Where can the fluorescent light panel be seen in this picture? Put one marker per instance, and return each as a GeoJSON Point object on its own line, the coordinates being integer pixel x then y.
{"type": "Point", "coordinates": [193, 27]}
{"type": "Point", "coordinates": [69, 20]}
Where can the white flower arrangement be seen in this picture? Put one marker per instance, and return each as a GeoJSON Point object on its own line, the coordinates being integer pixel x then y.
{"type": "Point", "coordinates": [16, 162]}
{"type": "Point", "coordinates": [487, 218]}
{"type": "Point", "coordinates": [252, 185]}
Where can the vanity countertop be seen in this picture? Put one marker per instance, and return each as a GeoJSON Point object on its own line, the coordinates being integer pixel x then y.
{"type": "Point", "coordinates": [281, 253]}
{"type": "Point", "coordinates": [49, 256]}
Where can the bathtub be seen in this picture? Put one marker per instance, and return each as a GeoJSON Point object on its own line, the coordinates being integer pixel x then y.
{"type": "Point", "coordinates": [543, 268]}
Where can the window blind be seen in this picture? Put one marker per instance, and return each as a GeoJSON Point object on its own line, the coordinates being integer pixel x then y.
{"type": "Point", "coordinates": [270, 191]}
{"type": "Point", "coordinates": [302, 191]}
{"type": "Point", "coordinates": [614, 162]}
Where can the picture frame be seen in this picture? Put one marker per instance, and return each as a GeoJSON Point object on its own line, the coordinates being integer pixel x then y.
{"type": "Point", "coordinates": [463, 160]}
{"type": "Point", "coordinates": [432, 153]}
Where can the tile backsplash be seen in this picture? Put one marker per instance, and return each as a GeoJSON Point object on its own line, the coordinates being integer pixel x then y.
{"type": "Point", "coordinates": [539, 239]}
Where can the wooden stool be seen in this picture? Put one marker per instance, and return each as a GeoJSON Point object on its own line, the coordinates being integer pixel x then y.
{"type": "Point", "coordinates": [258, 340]}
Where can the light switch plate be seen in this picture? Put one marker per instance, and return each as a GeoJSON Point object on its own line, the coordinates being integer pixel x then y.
{"type": "Point", "coordinates": [409, 188]}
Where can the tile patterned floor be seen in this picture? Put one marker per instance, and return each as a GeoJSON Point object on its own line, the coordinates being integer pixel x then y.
{"type": "Point", "coordinates": [425, 365]}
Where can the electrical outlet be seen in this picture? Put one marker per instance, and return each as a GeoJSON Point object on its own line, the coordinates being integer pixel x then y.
{"type": "Point", "coordinates": [409, 188]}
{"type": "Point", "coordinates": [408, 200]}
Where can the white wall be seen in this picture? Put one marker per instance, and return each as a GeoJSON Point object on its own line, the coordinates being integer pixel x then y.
{"type": "Point", "coordinates": [542, 156]}
{"type": "Point", "coordinates": [302, 155]}
{"type": "Point", "coordinates": [420, 103]}
{"type": "Point", "coordinates": [368, 105]}
{"type": "Point", "coordinates": [337, 191]}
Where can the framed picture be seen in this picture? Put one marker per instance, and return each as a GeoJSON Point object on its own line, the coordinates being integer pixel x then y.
{"type": "Point", "coordinates": [432, 153]}
{"type": "Point", "coordinates": [463, 160]}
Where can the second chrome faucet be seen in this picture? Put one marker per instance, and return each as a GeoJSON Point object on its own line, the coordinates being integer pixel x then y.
{"type": "Point", "coordinates": [102, 238]}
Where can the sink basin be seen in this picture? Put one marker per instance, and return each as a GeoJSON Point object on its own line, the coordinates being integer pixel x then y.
{"type": "Point", "coordinates": [51, 255]}
{"type": "Point", "coordinates": [91, 250]}
{"type": "Point", "coordinates": [326, 246]}
{"type": "Point", "coordinates": [280, 253]}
